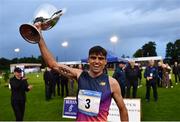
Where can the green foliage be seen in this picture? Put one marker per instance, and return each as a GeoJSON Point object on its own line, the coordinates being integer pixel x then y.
{"type": "Point", "coordinates": [170, 50]}
{"type": "Point", "coordinates": [173, 51]}
{"type": "Point", "coordinates": [5, 63]}
{"type": "Point", "coordinates": [138, 53]}
{"type": "Point", "coordinates": [6, 76]}
{"type": "Point", "coordinates": [148, 49]}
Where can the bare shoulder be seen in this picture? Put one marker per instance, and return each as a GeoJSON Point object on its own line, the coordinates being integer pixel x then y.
{"type": "Point", "coordinates": [113, 83]}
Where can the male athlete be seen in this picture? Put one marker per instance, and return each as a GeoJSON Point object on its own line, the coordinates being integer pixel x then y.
{"type": "Point", "coordinates": [95, 88]}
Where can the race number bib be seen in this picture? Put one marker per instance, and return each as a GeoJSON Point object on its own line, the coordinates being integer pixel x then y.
{"type": "Point", "coordinates": [89, 102]}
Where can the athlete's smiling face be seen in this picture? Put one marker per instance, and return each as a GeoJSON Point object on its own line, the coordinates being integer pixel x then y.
{"type": "Point", "coordinates": [97, 63]}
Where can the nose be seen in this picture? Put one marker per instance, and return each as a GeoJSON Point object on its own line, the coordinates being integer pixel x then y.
{"type": "Point", "coordinates": [96, 60]}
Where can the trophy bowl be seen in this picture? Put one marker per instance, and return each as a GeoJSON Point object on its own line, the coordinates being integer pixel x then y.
{"type": "Point", "coordinates": [29, 31]}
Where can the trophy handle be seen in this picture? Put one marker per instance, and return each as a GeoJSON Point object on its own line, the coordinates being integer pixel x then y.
{"type": "Point", "coordinates": [30, 33]}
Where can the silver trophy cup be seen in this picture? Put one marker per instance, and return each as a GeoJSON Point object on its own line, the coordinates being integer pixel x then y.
{"type": "Point", "coordinates": [31, 34]}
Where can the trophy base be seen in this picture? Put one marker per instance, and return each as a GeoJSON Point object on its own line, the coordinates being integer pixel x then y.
{"type": "Point", "coordinates": [30, 33]}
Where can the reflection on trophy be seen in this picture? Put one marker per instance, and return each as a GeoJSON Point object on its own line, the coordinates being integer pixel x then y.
{"type": "Point", "coordinates": [31, 34]}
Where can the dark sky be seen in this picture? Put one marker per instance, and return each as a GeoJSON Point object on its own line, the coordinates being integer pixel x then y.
{"type": "Point", "coordinates": [91, 22]}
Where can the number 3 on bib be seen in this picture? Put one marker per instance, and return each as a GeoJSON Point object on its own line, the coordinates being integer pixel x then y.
{"type": "Point", "coordinates": [89, 102]}
{"type": "Point", "coordinates": [87, 106]}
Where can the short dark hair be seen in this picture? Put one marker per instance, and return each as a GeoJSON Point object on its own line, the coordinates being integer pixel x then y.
{"type": "Point", "coordinates": [17, 69]}
{"type": "Point", "coordinates": [98, 50]}
{"type": "Point", "coordinates": [122, 62]}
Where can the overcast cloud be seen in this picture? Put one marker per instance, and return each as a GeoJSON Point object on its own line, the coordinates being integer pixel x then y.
{"type": "Point", "coordinates": [90, 22]}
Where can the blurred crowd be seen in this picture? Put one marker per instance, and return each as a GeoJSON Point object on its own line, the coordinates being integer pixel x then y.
{"type": "Point", "coordinates": [157, 74]}
{"type": "Point", "coordinates": [129, 75]}
{"type": "Point", "coordinates": [56, 84]}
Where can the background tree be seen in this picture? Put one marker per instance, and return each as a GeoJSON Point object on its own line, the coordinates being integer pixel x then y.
{"type": "Point", "coordinates": [170, 50]}
{"type": "Point", "coordinates": [41, 60]}
{"type": "Point", "coordinates": [138, 53]}
{"type": "Point", "coordinates": [177, 49]}
{"type": "Point", "coordinates": [6, 76]}
{"type": "Point", "coordinates": [149, 49]}
{"type": "Point", "coordinates": [4, 63]}
{"type": "Point", "coordinates": [123, 56]}
{"type": "Point", "coordinates": [173, 51]}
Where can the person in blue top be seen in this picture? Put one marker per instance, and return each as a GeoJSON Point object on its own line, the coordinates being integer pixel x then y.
{"type": "Point", "coordinates": [151, 74]}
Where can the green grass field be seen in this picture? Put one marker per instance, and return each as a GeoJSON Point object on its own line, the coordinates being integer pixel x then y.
{"type": "Point", "coordinates": [37, 109]}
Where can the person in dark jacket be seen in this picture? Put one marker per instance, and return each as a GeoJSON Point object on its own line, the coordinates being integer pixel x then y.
{"type": "Point", "coordinates": [18, 86]}
{"type": "Point", "coordinates": [48, 83]}
{"type": "Point", "coordinates": [120, 76]}
{"type": "Point", "coordinates": [64, 83]}
{"type": "Point", "coordinates": [151, 74]}
{"type": "Point", "coordinates": [140, 74]}
{"type": "Point", "coordinates": [176, 72]}
{"type": "Point", "coordinates": [160, 74]}
{"type": "Point", "coordinates": [133, 74]}
{"type": "Point", "coordinates": [56, 82]}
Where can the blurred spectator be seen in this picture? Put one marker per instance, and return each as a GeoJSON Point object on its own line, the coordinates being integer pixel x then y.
{"type": "Point", "coordinates": [160, 70]}
{"type": "Point", "coordinates": [169, 73]}
{"type": "Point", "coordinates": [64, 83]}
{"type": "Point", "coordinates": [176, 72]}
{"type": "Point", "coordinates": [56, 82]}
{"type": "Point", "coordinates": [140, 75]}
{"type": "Point", "coordinates": [165, 76]}
{"type": "Point", "coordinates": [132, 76]}
{"type": "Point", "coordinates": [151, 75]}
{"type": "Point", "coordinates": [120, 76]}
{"type": "Point", "coordinates": [48, 83]}
{"type": "Point", "coordinates": [71, 81]}
{"type": "Point", "coordinates": [53, 83]}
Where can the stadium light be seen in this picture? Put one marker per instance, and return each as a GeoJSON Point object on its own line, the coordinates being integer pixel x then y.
{"type": "Point", "coordinates": [17, 50]}
{"type": "Point", "coordinates": [65, 45]}
{"type": "Point", "coordinates": [114, 40]}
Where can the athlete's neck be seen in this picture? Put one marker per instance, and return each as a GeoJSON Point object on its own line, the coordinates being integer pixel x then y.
{"type": "Point", "coordinates": [93, 75]}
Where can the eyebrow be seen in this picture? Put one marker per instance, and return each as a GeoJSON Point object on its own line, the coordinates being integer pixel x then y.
{"type": "Point", "coordinates": [99, 57]}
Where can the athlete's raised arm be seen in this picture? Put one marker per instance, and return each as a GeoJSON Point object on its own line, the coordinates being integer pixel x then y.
{"type": "Point", "coordinates": [51, 62]}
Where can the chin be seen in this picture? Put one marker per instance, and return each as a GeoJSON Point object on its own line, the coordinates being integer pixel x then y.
{"type": "Point", "coordinates": [97, 71]}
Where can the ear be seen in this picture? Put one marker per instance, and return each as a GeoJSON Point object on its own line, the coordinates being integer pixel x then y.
{"type": "Point", "coordinates": [88, 60]}
{"type": "Point", "coordinates": [106, 62]}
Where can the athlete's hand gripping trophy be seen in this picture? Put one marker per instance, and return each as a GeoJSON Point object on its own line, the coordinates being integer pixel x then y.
{"type": "Point", "coordinates": [30, 32]}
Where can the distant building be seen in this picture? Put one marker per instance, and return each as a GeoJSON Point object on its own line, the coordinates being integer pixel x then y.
{"type": "Point", "coordinates": [144, 60]}
{"type": "Point", "coordinates": [155, 58]}
{"type": "Point", "coordinates": [70, 62]}
{"type": "Point", "coordinates": [26, 67]}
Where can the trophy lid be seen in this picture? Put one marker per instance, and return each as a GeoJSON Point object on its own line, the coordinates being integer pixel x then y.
{"type": "Point", "coordinates": [48, 23]}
